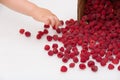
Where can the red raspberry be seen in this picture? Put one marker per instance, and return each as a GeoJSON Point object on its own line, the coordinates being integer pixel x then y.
{"type": "Point", "coordinates": [49, 38]}
{"type": "Point", "coordinates": [47, 47]}
{"type": "Point", "coordinates": [38, 36]}
{"type": "Point", "coordinates": [119, 67]}
{"type": "Point", "coordinates": [83, 59]}
{"type": "Point", "coordinates": [60, 55]}
{"type": "Point", "coordinates": [62, 49]}
{"type": "Point", "coordinates": [45, 31]}
{"type": "Point", "coordinates": [115, 61]}
{"type": "Point", "coordinates": [72, 55]}
{"type": "Point", "coordinates": [90, 63]}
{"type": "Point", "coordinates": [40, 33]}
{"type": "Point", "coordinates": [58, 30]}
{"type": "Point", "coordinates": [71, 65]}
{"type": "Point", "coordinates": [55, 37]}
{"type": "Point", "coordinates": [21, 31]}
{"type": "Point", "coordinates": [63, 69]}
{"type": "Point", "coordinates": [50, 53]}
{"type": "Point", "coordinates": [75, 59]}
{"type": "Point", "coordinates": [82, 66]}
{"type": "Point", "coordinates": [46, 26]}
{"type": "Point", "coordinates": [61, 22]}
{"type": "Point", "coordinates": [94, 68]}
{"type": "Point", "coordinates": [54, 27]}
{"type": "Point", "coordinates": [104, 61]}
{"type": "Point", "coordinates": [55, 50]}
{"type": "Point", "coordinates": [65, 59]}
{"type": "Point", "coordinates": [55, 45]}
{"type": "Point", "coordinates": [27, 34]}
{"type": "Point", "coordinates": [110, 66]}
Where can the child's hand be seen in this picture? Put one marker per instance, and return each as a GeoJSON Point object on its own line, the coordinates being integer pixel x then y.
{"type": "Point", "coordinates": [30, 9]}
{"type": "Point", "coordinates": [44, 15]}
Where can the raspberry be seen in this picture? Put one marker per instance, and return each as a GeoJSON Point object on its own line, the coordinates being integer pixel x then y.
{"type": "Point", "coordinates": [72, 65]}
{"type": "Point", "coordinates": [72, 55]}
{"type": "Point", "coordinates": [40, 33]}
{"type": "Point", "coordinates": [65, 59]}
{"type": "Point", "coordinates": [55, 45]}
{"type": "Point", "coordinates": [50, 53]}
{"type": "Point", "coordinates": [61, 22]}
{"type": "Point", "coordinates": [47, 47]}
{"type": "Point", "coordinates": [46, 26]}
{"type": "Point", "coordinates": [82, 66]}
{"type": "Point", "coordinates": [38, 36]}
{"type": "Point", "coordinates": [110, 66]}
{"type": "Point", "coordinates": [58, 30]}
{"type": "Point", "coordinates": [98, 59]}
{"type": "Point", "coordinates": [94, 68]}
{"type": "Point", "coordinates": [104, 61]}
{"type": "Point", "coordinates": [115, 61]}
{"type": "Point", "coordinates": [118, 55]}
{"type": "Point", "coordinates": [80, 42]}
{"type": "Point", "coordinates": [55, 50]}
{"type": "Point", "coordinates": [90, 63]}
{"type": "Point", "coordinates": [63, 69]}
{"type": "Point", "coordinates": [75, 59]}
{"type": "Point", "coordinates": [54, 27]}
{"type": "Point", "coordinates": [83, 59]}
{"type": "Point", "coordinates": [27, 34]}
{"type": "Point", "coordinates": [60, 55]}
{"type": "Point", "coordinates": [62, 49]}
{"type": "Point", "coordinates": [49, 38]}
{"type": "Point", "coordinates": [21, 31]}
{"type": "Point", "coordinates": [55, 37]}
{"type": "Point", "coordinates": [45, 31]}
{"type": "Point", "coordinates": [119, 68]}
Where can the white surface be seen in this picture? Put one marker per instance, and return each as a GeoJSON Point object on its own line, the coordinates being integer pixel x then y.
{"type": "Point", "coordinates": [24, 58]}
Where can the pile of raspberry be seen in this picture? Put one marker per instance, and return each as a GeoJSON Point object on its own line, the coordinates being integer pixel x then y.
{"type": "Point", "coordinates": [92, 41]}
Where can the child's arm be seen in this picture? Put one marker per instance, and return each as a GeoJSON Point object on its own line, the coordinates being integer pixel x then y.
{"type": "Point", "coordinates": [30, 9]}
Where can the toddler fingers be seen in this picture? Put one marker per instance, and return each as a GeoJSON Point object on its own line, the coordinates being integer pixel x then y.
{"type": "Point", "coordinates": [57, 22]}
{"type": "Point", "coordinates": [47, 21]}
{"type": "Point", "coordinates": [52, 21]}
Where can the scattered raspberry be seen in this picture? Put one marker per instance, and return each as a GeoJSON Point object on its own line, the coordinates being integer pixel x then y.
{"type": "Point", "coordinates": [47, 47]}
{"type": "Point", "coordinates": [45, 31]}
{"type": "Point", "coordinates": [55, 37]}
{"type": "Point", "coordinates": [110, 66]}
{"type": "Point", "coordinates": [72, 65]}
{"type": "Point", "coordinates": [61, 22]}
{"type": "Point", "coordinates": [75, 59]}
{"type": "Point", "coordinates": [82, 66]}
{"type": "Point", "coordinates": [55, 45]}
{"type": "Point", "coordinates": [63, 69]}
{"type": "Point", "coordinates": [21, 31]}
{"type": "Point", "coordinates": [62, 49]}
{"type": "Point", "coordinates": [46, 26]}
{"type": "Point", "coordinates": [94, 68]}
{"type": "Point", "coordinates": [49, 38]}
{"type": "Point", "coordinates": [60, 54]}
{"type": "Point", "coordinates": [118, 68]}
{"type": "Point", "coordinates": [27, 34]}
{"type": "Point", "coordinates": [90, 63]}
{"type": "Point", "coordinates": [50, 53]}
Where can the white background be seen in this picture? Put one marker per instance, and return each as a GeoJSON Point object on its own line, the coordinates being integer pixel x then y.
{"type": "Point", "coordinates": [24, 58]}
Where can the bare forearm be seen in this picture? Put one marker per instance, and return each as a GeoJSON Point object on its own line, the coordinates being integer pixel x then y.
{"type": "Point", "coordinates": [30, 9]}
{"type": "Point", "coordinates": [22, 6]}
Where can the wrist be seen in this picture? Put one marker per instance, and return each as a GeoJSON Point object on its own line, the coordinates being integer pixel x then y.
{"type": "Point", "coordinates": [32, 10]}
